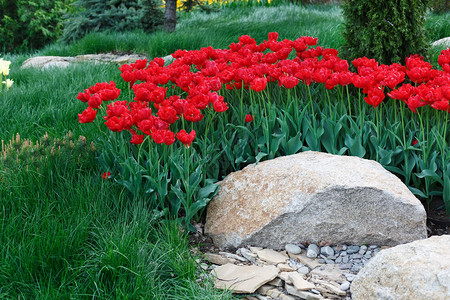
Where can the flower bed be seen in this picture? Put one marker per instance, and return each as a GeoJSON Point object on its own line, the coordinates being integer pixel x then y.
{"type": "Point", "coordinates": [301, 98]}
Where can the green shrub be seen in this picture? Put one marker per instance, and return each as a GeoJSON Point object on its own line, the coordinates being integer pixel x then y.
{"type": "Point", "coordinates": [112, 15]}
{"type": "Point", "coordinates": [440, 6]}
{"type": "Point", "coordinates": [388, 31]}
{"type": "Point", "coordinates": [27, 25]}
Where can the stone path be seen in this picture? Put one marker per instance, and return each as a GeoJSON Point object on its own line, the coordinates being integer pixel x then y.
{"type": "Point", "coordinates": [298, 272]}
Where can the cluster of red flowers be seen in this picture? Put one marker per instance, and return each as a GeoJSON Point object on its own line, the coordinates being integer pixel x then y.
{"type": "Point", "coordinates": [246, 64]}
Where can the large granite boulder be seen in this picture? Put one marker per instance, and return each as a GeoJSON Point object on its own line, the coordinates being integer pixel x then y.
{"type": "Point", "coordinates": [314, 197]}
{"type": "Point", "coordinates": [419, 270]}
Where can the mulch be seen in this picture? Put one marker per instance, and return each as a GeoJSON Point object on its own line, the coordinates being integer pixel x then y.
{"type": "Point", "coordinates": [438, 222]}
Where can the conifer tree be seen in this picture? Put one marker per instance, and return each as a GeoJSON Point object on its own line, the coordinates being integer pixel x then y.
{"type": "Point", "coordinates": [388, 30]}
{"type": "Point", "coordinates": [112, 15]}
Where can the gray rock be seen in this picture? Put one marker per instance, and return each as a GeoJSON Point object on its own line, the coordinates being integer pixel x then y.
{"type": "Point", "coordinates": [294, 249]}
{"type": "Point", "coordinates": [312, 251]}
{"type": "Point", "coordinates": [303, 270]}
{"type": "Point", "coordinates": [327, 250]}
{"type": "Point", "coordinates": [444, 42]}
{"type": "Point", "coordinates": [345, 266]}
{"type": "Point", "coordinates": [356, 256]}
{"type": "Point", "coordinates": [331, 198]}
{"type": "Point", "coordinates": [338, 260]}
{"type": "Point", "coordinates": [345, 285]}
{"type": "Point", "coordinates": [356, 268]}
{"type": "Point", "coordinates": [362, 249]}
{"type": "Point", "coordinates": [352, 249]}
{"type": "Point", "coordinates": [46, 62]}
{"type": "Point", "coordinates": [349, 276]}
{"type": "Point", "coordinates": [345, 259]}
{"type": "Point", "coordinates": [419, 270]}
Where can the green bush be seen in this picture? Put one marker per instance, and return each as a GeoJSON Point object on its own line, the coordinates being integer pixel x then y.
{"type": "Point", "coordinates": [440, 6]}
{"type": "Point", "coordinates": [27, 25]}
{"type": "Point", "coordinates": [388, 31]}
{"type": "Point", "coordinates": [112, 15]}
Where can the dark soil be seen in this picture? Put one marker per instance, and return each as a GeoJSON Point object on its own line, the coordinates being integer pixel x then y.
{"type": "Point", "coordinates": [438, 222]}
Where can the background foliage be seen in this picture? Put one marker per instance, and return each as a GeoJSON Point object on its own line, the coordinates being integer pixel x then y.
{"type": "Point", "coordinates": [388, 31]}
{"type": "Point", "coordinates": [31, 24]}
{"type": "Point", "coordinates": [111, 15]}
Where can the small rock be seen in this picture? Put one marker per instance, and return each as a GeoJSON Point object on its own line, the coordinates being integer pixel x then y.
{"type": "Point", "coordinates": [321, 261]}
{"type": "Point", "coordinates": [243, 279]}
{"type": "Point", "coordinates": [264, 289]}
{"type": "Point", "coordinates": [294, 249]}
{"type": "Point", "coordinates": [285, 297]}
{"type": "Point", "coordinates": [299, 282]}
{"type": "Point", "coordinates": [303, 270]}
{"type": "Point", "coordinates": [274, 293]}
{"type": "Point", "coordinates": [329, 261]}
{"type": "Point", "coordinates": [272, 257]}
{"type": "Point", "coordinates": [327, 287]}
{"type": "Point", "coordinates": [327, 250]}
{"type": "Point", "coordinates": [362, 249]}
{"type": "Point", "coordinates": [356, 256]}
{"type": "Point", "coordinates": [349, 276]}
{"type": "Point", "coordinates": [345, 259]}
{"type": "Point", "coordinates": [338, 260]}
{"type": "Point", "coordinates": [345, 285]}
{"type": "Point", "coordinates": [285, 268]}
{"type": "Point", "coordinates": [302, 294]}
{"type": "Point", "coordinates": [285, 277]}
{"type": "Point", "coordinates": [329, 272]}
{"type": "Point", "coordinates": [276, 282]}
{"type": "Point", "coordinates": [345, 266]}
{"type": "Point", "coordinates": [352, 249]}
{"type": "Point", "coordinates": [356, 268]}
{"type": "Point", "coordinates": [218, 259]}
{"type": "Point", "coordinates": [247, 254]}
{"type": "Point", "coordinates": [255, 249]}
{"type": "Point", "coordinates": [309, 262]}
{"type": "Point", "coordinates": [234, 256]}
{"type": "Point", "coordinates": [312, 251]}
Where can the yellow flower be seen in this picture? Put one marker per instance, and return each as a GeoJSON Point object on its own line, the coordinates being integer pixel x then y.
{"type": "Point", "coordinates": [8, 83]}
{"type": "Point", "coordinates": [4, 67]}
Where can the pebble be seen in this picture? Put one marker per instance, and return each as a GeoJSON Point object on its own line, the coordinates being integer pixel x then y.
{"type": "Point", "coordinates": [350, 259]}
{"type": "Point", "coordinates": [303, 270]}
{"type": "Point", "coordinates": [345, 266]}
{"type": "Point", "coordinates": [294, 249]}
{"type": "Point", "coordinates": [345, 285]}
{"type": "Point", "coordinates": [362, 249]}
{"type": "Point", "coordinates": [312, 251]}
{"type": "Point", "coordinates": [327, 250]}
{"type": "Point", "coordinates": [352, 249]}
{"type": "Point", "coordinates": [349, 276]}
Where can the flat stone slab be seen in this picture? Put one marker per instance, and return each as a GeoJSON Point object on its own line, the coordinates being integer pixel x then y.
{"type": "Point", "coordinates": [243, 279]}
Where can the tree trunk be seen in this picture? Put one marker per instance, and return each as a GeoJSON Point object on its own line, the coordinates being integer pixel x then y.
{"type": "Point", "coordinates": [170, 16]}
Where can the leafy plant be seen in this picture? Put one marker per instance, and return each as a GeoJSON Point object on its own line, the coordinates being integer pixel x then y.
{"type": "Point", "coordinates": [26, 25]}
